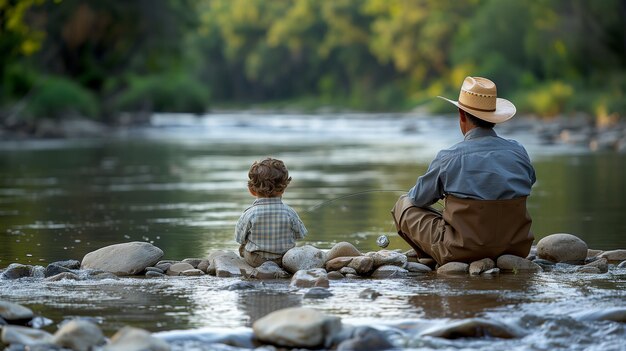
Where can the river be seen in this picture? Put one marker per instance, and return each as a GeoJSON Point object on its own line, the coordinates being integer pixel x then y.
{"type": "Point", "coordinates": [181, 184]}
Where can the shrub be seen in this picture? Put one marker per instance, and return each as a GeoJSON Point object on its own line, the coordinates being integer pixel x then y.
{"type": "Point", "coordinates": [58, 97]}
{"type": "Point", "coordinates": [548, 99]}
{"type": "Point", "coordinates": [164, 93]}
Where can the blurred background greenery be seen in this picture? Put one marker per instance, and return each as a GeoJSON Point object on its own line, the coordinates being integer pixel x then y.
{"type": "Point", "coordinates": [98, 59]}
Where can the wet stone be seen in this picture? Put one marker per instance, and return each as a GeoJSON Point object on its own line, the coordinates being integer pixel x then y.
{"type": "Point", "coordinates": [562, 247]}
{"type": "Point", "coordinates": [593, 253]}
{"type": "Point", "coordinates": [348, 270]}
{"type": "Point", "coordinates": [389, 258]}
{"type": "Point", "coordinates": [588, 270]}
{"type": "Point", "coordinates": [204, 266]}
{"type": "Point", "coordinates": [389, 271]}
{"type": "Point", "coordinates": [601, 264]}
{"type": "Point", "coordinates": [54, 269]}
{"type": "Point", "coordinates": [492, 271]}
{"type": "Point", "coordinates": [310, 278]}
{"type": "Point", "coordinates": [194, 262]}
{"type": "Point", "coordinates": [192, 273]}
{"type": "Point", "coordinates": [303, 258]}
{"type": "Point", "coordinates": [362, 264]}
{"type": "Point", "coordinates": [614, 255]}
{"type": "Point", "coordinates": [12, 334]}
{"type": "Point", "coordinates": [163, 266]}
{"type": "Point", "coordinates": [154, 269]}
{"type": "Point", "coordinates": [16, 271]}
{"type": "Point", "coordinates": [477, 267]}
{"type": "Point", "coordinates": [69, 264]}
{"type": "Point", "coordinates": [338, 263]}
{"type": "Point", "coordinates": [269, 270]}
{"type": "Point", "coordinates": [154, 274]}
{"type": "Point", "coordinates": [622, 265]}
{"type": "Point", "coordinates": [79, 335]}
{"type": "Point", "coordinates": [516, 263]}
{"type": "Point", "coordinates": [334, 275]}
{"type": "Point", "coordinates": [342, 249]}
{"type": "Point", "coordinates": [178, 268]}
{"type": "Point", "coordinates": [38, 272]}
{"type": "Point", "coordinates": [366, 339]}
{"type": "Point", "coordinates": [317, 293]}
{"type": "Point", "coordinates": [123, 259]}
{"type": "Point", "coordinates": [454, 268]}
{"type": "Point", "coordinates": [415, 267]}
{"type": "Point", "coordinates": [229, 264]}
{"type": "Point", "coordinates": [130, 339]}
{"type": "Point", "coordinates": [63, 276]}
{"type": "Point", "coordinates": [615, 314]}
{"type": "Point", "coordinates": [10, 311]}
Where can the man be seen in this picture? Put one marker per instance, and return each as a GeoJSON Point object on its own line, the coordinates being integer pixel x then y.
{"type": "Point", "coordinates": [485, 181]}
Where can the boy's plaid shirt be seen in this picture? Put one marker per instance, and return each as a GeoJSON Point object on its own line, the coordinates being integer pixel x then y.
{"type": "Point", "coordinates": [269, 226]}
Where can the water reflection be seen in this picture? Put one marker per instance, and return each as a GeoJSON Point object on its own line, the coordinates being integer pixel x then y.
{"type": "Point", "coordinates": [257, 304]}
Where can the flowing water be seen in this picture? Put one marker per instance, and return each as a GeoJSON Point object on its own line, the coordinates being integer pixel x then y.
{"type": "Point", "coordinates": [181, 184]}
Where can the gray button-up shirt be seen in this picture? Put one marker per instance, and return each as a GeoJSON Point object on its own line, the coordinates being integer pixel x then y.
{"type": "Point", "coordinates": [483, 166]}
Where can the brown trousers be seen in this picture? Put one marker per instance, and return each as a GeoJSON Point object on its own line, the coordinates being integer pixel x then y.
{"type": "Point", "coordinates": [256, 259]}
{"type": "Point", "coordinates": [467, 230]}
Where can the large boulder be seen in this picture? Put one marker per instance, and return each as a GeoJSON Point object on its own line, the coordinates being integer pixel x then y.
{"type": "Point", "coordinates": [342, 249]}
{"type": "Point", "coordinates": [562, 247]}
{"type": "Point", "coordinates": [297, 328]}
{"type": "Point", "coordinates": [303, 258]}
{"type": "Point", "coordinates": [123, 259]}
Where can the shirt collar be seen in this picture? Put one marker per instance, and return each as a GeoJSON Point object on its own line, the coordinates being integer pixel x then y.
{"type": "Point", "coordinates": [268, 200]}
{"type": "Point", "coordinates": [479, 133]}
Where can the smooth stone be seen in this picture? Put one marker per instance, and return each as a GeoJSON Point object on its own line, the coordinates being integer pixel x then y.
{"type": "Point", "coordinates": [622, 265]}
{"type": "Point", "coordinates": [352, 276]}
{"type": "Point", "coordinates": [163, 266]}
{"type": "Point", "coordinates": [10, 311]}
{"type": "Point", "coordinates": [53, 269]}
{"type": "Point", "coordinates": [389, 271]}
{"type": "Point", "coordinates": [366, 339]}
{"type": "Point", "coordinates": [303, 258]}
{"type": "Point", "coordinates": [16, 271]}
{"type": "Point", "coordinates": [192, 273]}
{"type": "Point", "coordinates": [269, 270]}
{"type": "Point", "coordinates": [369, 294]}
{"type": "Point", "coordinates": [153, 274]}
{"type": "Point", "coordinates": [428, 262]}
{"type": "Point", "coordinates": [123, 259]}
{"type": "Point", "coordinates": [615, 314]}
{"type": "Point", "coordinates": [348, 270]}
{"type": "Point", "coordinates": [601, 263]}
{"type": "Point", "coordinates": [342, 249]}
{"type": "Point", "coordinates": [589, 270]}
{"type": "Point", "coordinates": [317, 293]}
{"type": "Point", "coordinates": [135, 339]}
{"type": "Point", "coordinates": [241, 286]}
{"type": "Point", "coordinates": [477, 267]}
{"type": "Point", "coordinates": [69, 264]}
{"type": "Point", "coordinates": [229, 264]}
{"type": "Point", "coordinates": [79, 335]}
{"type": "Point", "coordinates": [63, 276]}
{"type": "Point", "coordinates": [193, 261]}
{"type": "Point", "coordinates": [310, 278]}
{"type": "Point", "coordinates": [562, 247]}
{"type": "Point", "coordinates": [12, 334]}
{"type": "Point", "coordinates": [163, 262]}
{"type": "Point", "coordinates": [492, 271]}
{"type": "Point", "coordinates": [516, 263]}
{"type": "Point", "coordinates": [178, 268]}
{"type": "Point", "coordinates": [204, 266]}
{"type": "Point", "coordinates": [614, 255]}
{"type": "Point", "coordinates": [389, 258]}
{"type": "Point", "coordinates": [593, 253]}
{"type": "Point", "coordinates": [297, 327]}
{"type": "Point", "coordinates": [415, 267]}
{"type": "Point", "coordinates": [155, 269]}
{"type": "Point", "coordinates": [472, 328]}
{"type": "Point", "coordinates": [338, 263]}
{"type": "Point", "coordinates": [362, 264]}
{"type": "Point", "coordinates": [334, 275]}
{"type": "Point", "coordinates": [453, 268]}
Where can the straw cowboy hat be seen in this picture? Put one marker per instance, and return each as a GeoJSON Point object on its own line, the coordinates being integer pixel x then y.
{"type": "Point", "coordinates": [479, 97]}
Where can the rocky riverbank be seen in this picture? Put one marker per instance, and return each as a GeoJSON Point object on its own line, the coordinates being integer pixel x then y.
{"type": "Point", "coordinates": [309, 269]}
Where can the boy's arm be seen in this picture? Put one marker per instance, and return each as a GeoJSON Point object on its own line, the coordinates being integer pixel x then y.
{"type": "Point", "coordinates": [241, 229]}
{"type": "Point", "coordinates": [298, 227]}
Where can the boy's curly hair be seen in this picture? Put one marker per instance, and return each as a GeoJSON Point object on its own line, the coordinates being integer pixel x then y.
{"type": "Point", "coordinates": [268, 178]}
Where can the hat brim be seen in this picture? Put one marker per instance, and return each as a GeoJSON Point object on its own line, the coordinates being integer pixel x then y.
{"type": "Point", "coordinates": [505, 110]}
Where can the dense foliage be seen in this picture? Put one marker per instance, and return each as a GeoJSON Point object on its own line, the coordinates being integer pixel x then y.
{"type": "Point", "coordinates": [549, 56]}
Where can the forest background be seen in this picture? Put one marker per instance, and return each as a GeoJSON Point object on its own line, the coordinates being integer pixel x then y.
{"type": "Point", "coordinates": [99, 59]}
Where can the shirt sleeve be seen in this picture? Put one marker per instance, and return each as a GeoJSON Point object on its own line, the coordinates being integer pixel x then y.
{"type": "Point", "coordinates": [299, 230]}
{"type": "Point", "coordinates": [241, 229]}
{"type": "Point", "coordinates": [429, 187]}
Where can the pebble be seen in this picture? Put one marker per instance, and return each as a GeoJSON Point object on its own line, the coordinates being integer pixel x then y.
{"type": "Point", "coordinates": [562, 247]}
{"type": "Point", "coordinates": [155, 269]}
{"type": "Point", "coordinates": [69, 264]}
{"type": "Point", "coordinates": [348, 270]}
{"type": "Point", "coordinates": [229, 264]}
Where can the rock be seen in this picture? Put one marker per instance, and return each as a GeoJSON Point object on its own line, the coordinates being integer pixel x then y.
{"type": "Point", "coordinates": [155, 269]}
{"type": "Point", "coordinates": [241, 286]}
{"type": "Point", "coordinates": [63, 276]}
{"type": "Point", "coordinates": [297, 327]}
{"type": "Point", "coordinates": [602, 264]}
{"type": "Point", "coordinates": [204, 266]}
{"type": "Point", "coordinates": [229, 264]}
{"type": "Point", "coordinates": [389, 271]}
{"type": "Point", "coordinates": [192, 273]}
{"type": "Point", "coordinates": [69, 264]}
{"type": "Point", "coordinates": [622, 265]}
{"type": "Point", "coordinates": [334, 275]}
{"type": "Point", "coordinates": [517, 264]}
{"type": "Point", "coordinates": [366, 339]}
{"type": "Point", "coordinates": [177, 268]}
{"type": "Point", "coordinates": [12, 312]}
{"type": "Point", "coordinates": [135, 339]}
{"type": "Point", "coordinates": [615, 314]}
{"type": "Point", "coordinates": [362, 264]}
{"type": "Point", "coordinates": [348, 270]}
{"type": "Point", "coordinates": [194, 261]}
{"type": "Point", "coordinates": [303, 258]}
{"type": "Point", "coordinates": [342, 249]}
{"type": "Point", "coordinates": [53, 269]}
{"type": "Point", "coordinates": [453, 268]}
{"type": "Point", "coordinates": [472, 328]}
{"type": "Point", "coordinates": [16, 271]}
{"type": "Point", "coordinates": [310, 278]}
{"type": "Point", "coordinates": [589, 270]}
{"type": "Point", "coordinates": [415, 267]}
{"type": "Point", "coordinates": [12, 334]}
{"type": "Point", "coordinates": [614, 255]}
{"type": "Point", "coordinates": [338, 263]}
{"type": "Point", "coordinates": [317, 293]}
{"type": "Point", "coordinates": [493, 271]}
{"type": "Point", "coordinates": [153, 274]}
{"type": "Point", "coordinates": [562, 248]}
{"type": "Point", "coordinates": [389, 258]}
{"type": "Point", "coordinates": [428, 262]}
{"type": "Point", "coordinates": [163, 266]}
{"type": "Point", "coordinates": [411, 255]}
{"type": "Point", "coordinates": [123, 259]}
{"type": "Point", "coordinates": [591, 253]}
{"type": "Point", "coordinates": [477, 267]}
{"type": "Point", "coordinates": [369, 294]}
{"type": "Point", "coordinates": [79, 335]}
{"type": "Point", "coordinates": [269, 270]}
{"type": "Point", "coordinates": [38, 272]}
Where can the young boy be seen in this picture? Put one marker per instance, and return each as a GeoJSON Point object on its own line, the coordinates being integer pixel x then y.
{"type": "Point", "coordinates": [268, 228]}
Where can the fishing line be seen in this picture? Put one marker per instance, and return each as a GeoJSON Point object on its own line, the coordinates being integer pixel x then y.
{"type": "Point", "coordinates": [315, 207]}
